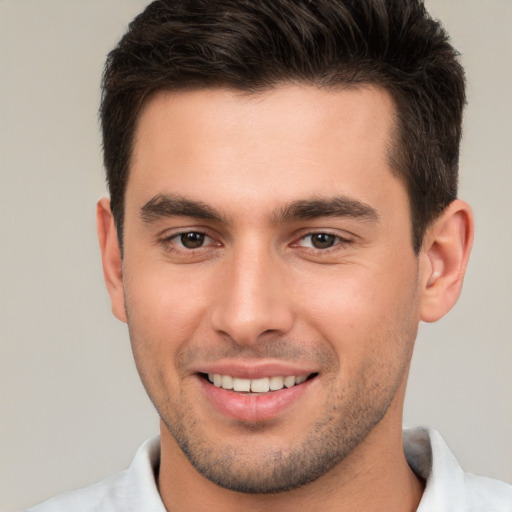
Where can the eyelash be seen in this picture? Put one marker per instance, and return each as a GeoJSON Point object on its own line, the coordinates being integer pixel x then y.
{"type": "Point", "coordinates": [171, 242]}
{"type": "Point", "coordinates": [339, 242]}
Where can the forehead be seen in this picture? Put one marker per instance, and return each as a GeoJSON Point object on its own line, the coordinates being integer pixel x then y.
{"type": "Point", "coordinates": [273, 146]}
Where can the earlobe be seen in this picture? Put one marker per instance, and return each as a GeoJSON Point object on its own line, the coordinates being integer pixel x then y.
{"type": "Point", "coordinates": [111, 257]}
{"type": "Point", "coordinates": [444, 256]}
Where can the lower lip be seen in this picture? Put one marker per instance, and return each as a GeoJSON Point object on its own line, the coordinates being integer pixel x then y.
{"type": "Point", "coordinates": [253, 407]}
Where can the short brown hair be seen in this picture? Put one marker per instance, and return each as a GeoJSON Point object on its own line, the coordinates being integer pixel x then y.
{"type": "Point", "coordinates": [253, 45]}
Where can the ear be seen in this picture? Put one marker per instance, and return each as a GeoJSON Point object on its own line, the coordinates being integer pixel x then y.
{"type": "Point", "coordinates": [444, 258]}
{"type": "Point", "coordinates": [111, 257]}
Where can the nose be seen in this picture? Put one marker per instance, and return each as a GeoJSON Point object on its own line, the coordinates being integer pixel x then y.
{"type": "Point", "coordinates": [251, 299]}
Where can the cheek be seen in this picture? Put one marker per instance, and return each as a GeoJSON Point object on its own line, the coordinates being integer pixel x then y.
{"type": "Point", "coordinates": [164, 308]}
{"type": "Point", "coordinates": [361, 309]}
{"type": "Point", "coordinates": [164, 313]}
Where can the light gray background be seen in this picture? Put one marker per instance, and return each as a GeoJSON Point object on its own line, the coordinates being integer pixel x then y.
{"type": "Point", "coordinates": [72, 410]}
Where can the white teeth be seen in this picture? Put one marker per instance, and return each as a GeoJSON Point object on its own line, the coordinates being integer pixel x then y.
{"type": "Point", "coordinates": [241, 384]}
{"type": "Point", "coordinates": [300, 379]}
{"type": "Point", "coordinates": [262, 385]}
{"type": "Point", "coordinates": [289, 381]}
{"type": "Point", "coordinates": [276, 383]}
{"type": "Point", "coordinates": [227, 382]}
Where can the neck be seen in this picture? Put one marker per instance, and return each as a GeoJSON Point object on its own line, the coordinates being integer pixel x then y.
{"type": "Point", "coordinates": [375, 478]}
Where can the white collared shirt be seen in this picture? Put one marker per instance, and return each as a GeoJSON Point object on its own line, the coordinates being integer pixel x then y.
{"type": "Point", "coordinates": [448, 488]}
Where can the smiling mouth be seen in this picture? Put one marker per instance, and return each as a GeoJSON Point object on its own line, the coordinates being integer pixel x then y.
{"type": "Point", "coordinates": [262, 385]}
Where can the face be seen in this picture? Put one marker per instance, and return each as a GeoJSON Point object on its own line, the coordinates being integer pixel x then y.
{"type": "Point", "coordinates": [270, 286]}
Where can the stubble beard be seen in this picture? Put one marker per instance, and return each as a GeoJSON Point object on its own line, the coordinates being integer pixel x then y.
{"type": "Point", "coordinates": [350, 414]}
{"type": "Point", "coordinates": [328, 443]}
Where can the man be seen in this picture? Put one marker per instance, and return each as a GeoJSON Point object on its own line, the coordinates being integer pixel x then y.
{"type": "Point", "coordinates": [283, 213]}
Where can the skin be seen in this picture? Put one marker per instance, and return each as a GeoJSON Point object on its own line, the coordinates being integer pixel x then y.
{"type": "Point", "coordinates": [256, 295]}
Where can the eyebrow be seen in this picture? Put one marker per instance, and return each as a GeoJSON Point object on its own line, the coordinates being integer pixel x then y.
{"type": "Point", "coordinates": [338, 206]}
{"type": "Point", "coordinates": [169, 205]}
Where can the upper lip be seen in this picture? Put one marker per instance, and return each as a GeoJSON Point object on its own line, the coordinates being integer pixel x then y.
{"type": "Point", "coordinates": [254, 369]}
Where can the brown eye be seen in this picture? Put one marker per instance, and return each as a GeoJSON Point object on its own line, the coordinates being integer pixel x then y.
{"type": "Point", "coordinates": [192, 240]}
{"type": "Point", "coordinates": [323, 240]}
